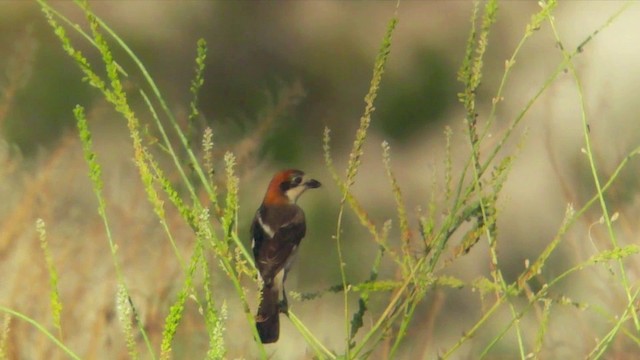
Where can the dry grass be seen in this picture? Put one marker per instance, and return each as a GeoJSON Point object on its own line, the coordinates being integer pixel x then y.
{"type": "Point", "coordinates": [55, 189]}
{"type": "Point", "coordinates": [484, 295]}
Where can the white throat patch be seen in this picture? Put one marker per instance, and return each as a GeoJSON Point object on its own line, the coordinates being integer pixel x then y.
{"type": "Point", "coordinates": [294, 193]}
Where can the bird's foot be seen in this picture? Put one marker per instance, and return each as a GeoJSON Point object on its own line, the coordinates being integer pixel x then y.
{"type": "Point", "coordinates": [283, 306]}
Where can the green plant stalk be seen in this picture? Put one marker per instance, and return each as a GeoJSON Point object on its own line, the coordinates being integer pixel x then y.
{"type": "Point", "coordinates": [118, 99]}
{"type": "Point", "coordinates": [354, 163]}
{"type": "Point", "coordinates": [384, 330]}
{"type": "Point", "coordinates": [612, 178]}
{"type": "Point", "coordinates": [459, 197]}
{"type": "Point", "coordinates": [245, 306]}
{"type": "Point", "coordinates": [122, 104]}
{"type": "Point", "coordinates": [42, 329]}
{"type": "Point", "coordinates": [400, 209]}
{"type": "Point", "coordinates": [78, 29]}
{"type": "Point", "coordinates": [221, 250]}
{"type": "Point", "coordinates": [95, 174]}
{"type": "Point", "coordinates": [534, 25]}
{"type": "Point", "coordinates": [606, 341]}
{"type": "Point", "coordinates": [229, 270]}
{"type": "Point", "coordinates": [515, 318]}
{"type": "Point", "coordinates": [389, 309]}
{"type": "Point", "coordinates": [56, 304]}
{"type": "Point", "coordinates": [409, 312]}
{"type": "Point", "coordinates": [158, 205]}
{"type": "Point", "coordinates": [594, 171]}
{"type": "Point", "coordinates": [168, 146]}
{"type": "Point", "coordinates": [343, 276]}
{"type": "Point", "coordinates": [353, 202]}
{"type": "Point", "coordinates": [514, 313]}
{"type": "Point", "coordinates": [213, 319]}
{"type": "Point", "coordinates": [183, 139]}
{"type": "Point", "coordinates": [412, 299]}
{"type": "Point", "coordinates": [542, 330]}
{"type": "Point", "coordinates": [505, 290]}
{"type": "Point", "coordinates": [176, 310]}
{"type": "Point", "coordinates": [458, 202]}
{"type": "Point", "coordinates": [567, 222]}
{"type": "Point", "coordinates": [559, 70]}
{"type": "Point", "coordinates": [321, 351]}
{"type": "Point", "coordinates": [449, 226]}
{"type": "Point", "coordinates": [4, 334]}
{"type": "Point", "coordinates": [448, 165]}
{"type": "Point", "coordinates": [125, 310]}
{"type": "Point", "coordinates": [471, 332]}
{"type": "Point", "coordinates": [221, 246]}
{"type": "Point", "coordinates": [631, 336]}
{"type": "Point", "coordinates": [599, 195]}
{"type": "Point", "coordinates": [226, 264]}
{"type": "Point", "coordinates": [363, 301]}
{"type": "Point", "coordinates": [615, 254]}
{"type": "Point", "coordinates": [196, 85]}
{"type": "Point", "coordinates": [625, 331]}
{"type": "Point", "coordinates": [470, 74]}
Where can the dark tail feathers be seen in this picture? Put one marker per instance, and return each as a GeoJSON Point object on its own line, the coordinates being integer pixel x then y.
{"type": "Point", "coordinates": [268, 318]}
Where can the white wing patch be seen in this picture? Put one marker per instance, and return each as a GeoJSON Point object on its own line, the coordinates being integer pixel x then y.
{"type": "Point", "coordinates": [266, 228]}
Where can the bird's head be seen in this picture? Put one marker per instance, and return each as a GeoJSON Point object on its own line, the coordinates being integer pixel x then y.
{"type": "Point", "coordinates": [287, 185]}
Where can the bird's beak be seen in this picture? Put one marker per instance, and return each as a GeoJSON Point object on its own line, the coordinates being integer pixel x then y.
{"type": "Point", "coordinates": [312, 184]}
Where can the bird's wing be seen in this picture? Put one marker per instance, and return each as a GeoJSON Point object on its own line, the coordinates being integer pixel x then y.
{"type": "Point", "coordinates": [257, 235]}
{"type": "Point", "coordinates": [272, 253]}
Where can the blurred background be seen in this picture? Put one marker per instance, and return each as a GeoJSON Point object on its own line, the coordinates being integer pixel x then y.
{"type": "Point", "coordinates": [277, 74]}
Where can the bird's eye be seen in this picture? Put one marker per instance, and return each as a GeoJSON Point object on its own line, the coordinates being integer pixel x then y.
{"type": "Point", "coordinates": [296, 180]}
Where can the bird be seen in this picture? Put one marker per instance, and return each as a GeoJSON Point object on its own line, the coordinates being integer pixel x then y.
{"type": "Point", "coordinates": [277, 230]}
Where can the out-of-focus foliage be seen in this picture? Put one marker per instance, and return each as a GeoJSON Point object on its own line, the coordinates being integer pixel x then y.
{"type": "Point", "coordinates": [487, 240]}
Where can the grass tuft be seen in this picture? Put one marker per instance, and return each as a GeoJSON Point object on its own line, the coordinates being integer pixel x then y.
{"type": "Point", "coordinates": [185, 181]}
{"type": "Point", "coordinates": [4, 336]}
{"type": "Point", "coordinates": [126, 317]}
{"type": "Point", "coordinates": [54, 295]}
{"type": "Point", "coordinates": [177, 309]}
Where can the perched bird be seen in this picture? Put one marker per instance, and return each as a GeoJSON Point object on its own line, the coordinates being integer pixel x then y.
{"type": "Point", "coordinates": [277, 229]}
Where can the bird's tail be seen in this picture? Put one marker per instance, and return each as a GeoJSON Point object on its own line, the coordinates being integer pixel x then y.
{"type": "Point", "coordinates": [268, 318]}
